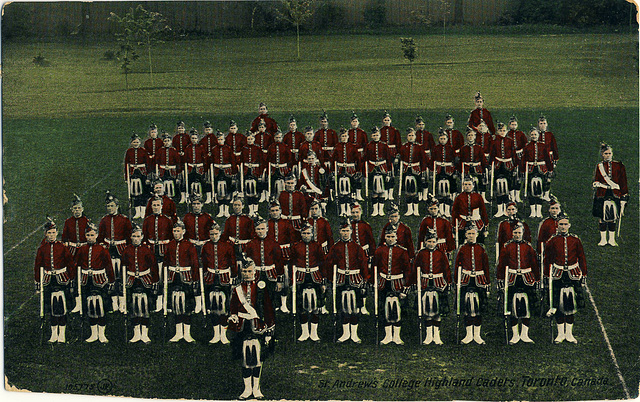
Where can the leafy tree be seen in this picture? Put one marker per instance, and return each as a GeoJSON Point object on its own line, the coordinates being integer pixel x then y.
{"type": "Point", "coordinates": [409, 49]}
{"type": "Point", "coordinates": [151, 26]}
{"type": "Point", "coordinates": [126, 38]}
{"type": "Point", "coordinates": [296, 12]}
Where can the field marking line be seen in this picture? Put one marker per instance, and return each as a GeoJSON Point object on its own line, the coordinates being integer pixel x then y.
{"type": "Point", "coordinates": [8, 316]}
{"type": "Point", "coordinates": [606, 339]}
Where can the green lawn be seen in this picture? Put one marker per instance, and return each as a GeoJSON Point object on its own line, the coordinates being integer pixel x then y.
{"type": "Point", "coordinates": [66, 128]}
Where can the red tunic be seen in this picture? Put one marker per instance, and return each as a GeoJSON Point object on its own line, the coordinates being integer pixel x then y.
{"type": "Point", "coordinates": [394, 266]}
{"type": "Point", "coordinates": [157, 229]}
{"type": "Point", "coordinates": [478, 114]}
{"type": "Point", "coordinates": [280, 157]}
{"type": "Point", "coordinates": [433, 266]}
{"type": "Point", "coordinates": [442, 156]}
{"type": "Point", "coordinates": [565, 253]}
{"type": "Point", "coordinates": [520, 259]}
{"type": "Point", "coordinates": [444, 233]}
{"type": "Point", "coordinates": [293, 140]}
{"type": "Point", "coordinates": [535, 157]}
{"type": "Point", "coordinates": [264, 141]}
{"type": "Point", "coordinates": [484, 140]}
{"type": "Point", "coordinates": [347, 157]}
{"type": "Point", "coordinates": [196, 227]}
{"type": "Point", "coordinates": [362, 234]}
{"type": "Point", "coordinates": [455, 139]}
{"type": "Point", "coordinates": [219, 259]}
{"type": "Point", "coordinates": [392, 137]}
{"type": "Point", "coordinates": [195, 156]}
{"type": "Point", "coordinates": [505, 232]}
{"type": "Point", "coordinates": [222, 157]}
{"type": "Point", "coordinates": [472, 159]}
{"type": "Point", "coordinates": [267, 255]}
{"type": "Point", "coordinates": [56, 260]}
{"type": "Point", "coordinates": [358, 137]}
{"type": "Point", "coordinates": [412, 156]}
{"type": "Point", "coordinates": [244, 305]}
{"type": "Point", "coordinates": [351, 262]}
{"type": "Point", "coordinates": [546, 229]}
{"type": "Point", "coordinates": [208, 142]}
{"type": "Point", "coordinates": [503, 152]}
{"type": "Point", "coordinates": [425, 138]}
{"type": "Point", "coordinates": [169, 160]}
{"type": "Point", "coordinates": [322, 232]}
{"type": "Point", "coordinates": [549, 140]}
{"type": "Point", "coordinates": [611, 175]}
{"type": "Point", "coordinates": [114, 230]}
{"type": "Point", "coordinates": [309, 257]}
{"type": "Point", "coordinates": [238, 228]}
{"type": "Point", "coordinates": [73, 233]}
{"type": "Point", "coordinates": [314, 146]}
{"type": "Point", "coordinates": [475, 263]}
{"type": "Point", "coordinates": [377, 154]}
{"type": "Point", "coordinates": [180, 143]}
{"type": "Point", "coordinates": [310, 178]}
{"type": "Point", "coordinates": [404, 237]}
{"type": "Point", "coordinates": [168, 208]}
{"type": "Point", "coordinates": [283, 233]}
{"type": "Point", "coordinates": [469, 207]}
{"type": "Point", "coordinates": [140, 263]}
{"type": "Point", "coordinates": [328, 139]}
{"type": "Point", "coordinates": [519, 139]}
{"type": "Point", "coordinates": [252, 159]}
{"type": "Point", "coordinates": [153, 145]}
{"type": "Point", "coordinates": [181, 259]}
{"type": "Point", "coordinates": [136, 158]}
{"type": "Point", "coordinates": [294, 205]}
{"type": "Point", "coordinates": [236, 141]}
{"type": "Point", "coordinates": [94, 261]}
{"type": "Point", "coordinates": [272, 126]}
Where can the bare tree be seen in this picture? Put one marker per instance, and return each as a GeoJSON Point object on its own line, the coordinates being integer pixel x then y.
{"type": "Point", "coordinates": [296, 12]}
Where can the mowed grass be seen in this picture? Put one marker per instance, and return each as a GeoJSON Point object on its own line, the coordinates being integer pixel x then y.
{"type": "Point", "coordinates": [66, 128]}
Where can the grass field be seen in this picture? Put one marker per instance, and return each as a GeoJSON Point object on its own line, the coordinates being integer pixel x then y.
{"type": "Point", "coordinates": [66, 127]}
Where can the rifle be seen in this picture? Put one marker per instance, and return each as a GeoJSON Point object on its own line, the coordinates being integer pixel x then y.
{"type": "Point", "coordinates": [165, 288]}
{"type": "Point", "coordinates": [434, 179]}
{"type": "Point", "coordinates": [269, 184]}
{"type": "Point", "coordinates": [620, 219]}
{"type": "Point", "coordinates": [335, 314]}
{"type": "Point", "coordinates": [400, 181]}
{"type": "Point", "coordinates": [551, 312]}
{"type": "Point", "coordinates": [542, 281]}
{"type": "Point", "coordinates": [419, 282]}
{"type": "Point", "coordinates": [526, 179]}
{"type": "Point", "coordinates": [41, 305]}
{"type": "Point", "coordinates": [335, 182]}
{"type": "Point", "coordinates": [375, 298]}
{"type": "Point", "coordinates": [186, 183]}
{"type": "Point", "coordinates": [81, 304]}
{"type": "Point", "coordinates": [213, 184]}
{"type": "Point", "coordinates": [366, 187]}
{"type": "Point", "coordinates": [242, 178]}
{"type": "Point", "coordinates": [492, 171]}
{"type": "Point", "coordinates": [204, 306]}
{"type": "Point", "coordinates": [294, 300]}
{"type": "Point", "coordinates": [128, 189]}
{"type": "Point", "coordinates": [506, 304]}
{"type": "Point", "coordinates": [458, 304]}
{"type": "Point", "coordinates": [124, 294]}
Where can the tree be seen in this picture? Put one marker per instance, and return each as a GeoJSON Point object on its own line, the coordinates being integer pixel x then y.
{"type": "Point", "coordinates": [409, 50]}
{"type": "Point", "coordinates": [296, 12]}
{"type": "Point", "coordinates": [137, 27]}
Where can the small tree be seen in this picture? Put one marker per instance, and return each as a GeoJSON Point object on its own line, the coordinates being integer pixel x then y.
{"type": "Point", "coordinates": [296, 12]}
{"type": "Point", "coordinates": [151, 26]}
{"type": "Point", "coordinates": [126, 38]}
{"type": "Point", "coordinates": [409, 50]}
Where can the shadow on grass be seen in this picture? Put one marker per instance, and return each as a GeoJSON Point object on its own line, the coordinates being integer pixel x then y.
{"type": "Point", "coordinates": [163, 88]}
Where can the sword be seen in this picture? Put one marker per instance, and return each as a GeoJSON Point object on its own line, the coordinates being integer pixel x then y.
{"type": "Point", "coordinates": [164, 303]}
{"type": "Point", "coordinates": [294, 300]}
{"type": "Point", "coordinates": [41, 305]}
{"type": "Point", "coordinates": [335, 315]}
{"type": "Point", "coordinates": [506, 304]}
{"type": "Point", "coordinates": [186, 183]}
{"type": "Point", "coordinates": [242, 178]}
{"type": "Point", "coordinates": [620, 220]}
{"type": "Point", "coordinates": [458, 304]}
{"type": "Point", "coordinates": [204, 306]}
{"type": "Point", "coordinates": [526, 179]}
{"type": "Point", "coordinates": [419, 282]}
{"type": "Point", "coordinates": [128, 188]}
{"type": "Point", "coordinates": [400, 184]}
{"type": "Point", "coordinates": [335, 182]}
{"type": "Point", "coordinates": [434, 179]}
{"type": "Point", "coordinates": [492, 171]}
{"type": "Point", "coordinates": [366, 187]}
{"type": "Point", "coordinates": [81, 305]}
{"type": "Point", "coordinates": [213, 185]}
{"type": "Point", "coordinates": [269, 185]}
{"type": "Point", "coordinates": [124, 294]}
{"type": "Point", "coordinates": [375, 298]}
